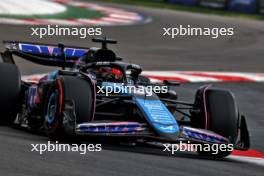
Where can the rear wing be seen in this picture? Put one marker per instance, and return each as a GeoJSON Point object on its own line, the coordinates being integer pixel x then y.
{"type": "Point", "coordinates": [45, 54]}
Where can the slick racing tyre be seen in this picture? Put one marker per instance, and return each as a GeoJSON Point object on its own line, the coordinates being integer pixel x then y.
{"type": "Point", "coordinates": [10, 80]}
{"type": "Point", "coordinates": [220, 116]}
{"type": "Point", "coordinates": [67, 88]}
{"type": "Point", "coordinates": [80, 91]}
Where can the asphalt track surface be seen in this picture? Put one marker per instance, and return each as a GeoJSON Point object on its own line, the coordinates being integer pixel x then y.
{"type": "Point", "coordinates": [143, 44]}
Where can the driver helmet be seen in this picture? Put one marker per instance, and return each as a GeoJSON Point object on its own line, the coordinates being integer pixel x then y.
{"type": "Point", "coordinates": [109, 74]}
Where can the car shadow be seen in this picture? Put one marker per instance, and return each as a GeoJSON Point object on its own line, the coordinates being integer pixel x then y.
{"type": "Point", "coordinates": [113, 144]}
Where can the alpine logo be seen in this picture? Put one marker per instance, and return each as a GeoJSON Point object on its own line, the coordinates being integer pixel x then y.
{"type": "Point", "coordinates": [50, 50]}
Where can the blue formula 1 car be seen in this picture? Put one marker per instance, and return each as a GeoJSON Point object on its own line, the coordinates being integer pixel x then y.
{"type": "Point", "coordinates": [96, 94]}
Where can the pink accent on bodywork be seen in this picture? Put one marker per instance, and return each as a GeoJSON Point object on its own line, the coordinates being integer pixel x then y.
{"type": "Point", "coordinates": [205, 108]}
{"type": "Point", "coordinates": [34, 78]}
{"type": "Point", "coordinates": [61, 94]}
{"type": "Point", "coordinates": [94, 105]}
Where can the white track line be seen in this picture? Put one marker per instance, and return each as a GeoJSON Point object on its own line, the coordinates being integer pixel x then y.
{"type": "Point", "coordinates": [246, 159]}
{"type": "Point", "coordinates": [36, 7]}
{"type": "Point", "coordinates": [185, 77]}
{"type": "Point", "coordinates": [200, 76]}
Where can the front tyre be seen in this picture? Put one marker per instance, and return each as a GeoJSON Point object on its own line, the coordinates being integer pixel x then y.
{"type": "Point", "coordinates": [219, 114]}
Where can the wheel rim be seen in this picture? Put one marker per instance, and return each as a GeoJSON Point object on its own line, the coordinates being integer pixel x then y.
{"type": "Point", "coordinates": [52, 108]}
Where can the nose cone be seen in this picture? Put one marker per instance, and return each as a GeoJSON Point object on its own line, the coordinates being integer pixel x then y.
{"type": "Point", "coordinates": [159, 117]}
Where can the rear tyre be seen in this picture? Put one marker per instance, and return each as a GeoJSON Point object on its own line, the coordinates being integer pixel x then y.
{"type": "Point", "coordinates": [10, 80]}
{"type": "Point", "coordinates": [67, 88]}
{"type": "Point", "coordinates": [220, 116]}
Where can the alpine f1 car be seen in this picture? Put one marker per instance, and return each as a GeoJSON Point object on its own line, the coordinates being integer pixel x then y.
{"type": "Point", "coordinates": [72, 100]}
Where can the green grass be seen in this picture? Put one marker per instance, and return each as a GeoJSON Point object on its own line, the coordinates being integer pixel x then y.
{"type": "Point", "coordinates": [71, 12]}
{"type": "Point", "coordinates": [153, 4]}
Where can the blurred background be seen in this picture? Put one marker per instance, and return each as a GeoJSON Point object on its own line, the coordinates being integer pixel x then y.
{"type": "Point", "coordinates": [246, 6]}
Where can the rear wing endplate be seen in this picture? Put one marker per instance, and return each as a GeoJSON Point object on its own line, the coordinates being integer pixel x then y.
{"type": "Point", "coordinates": [45, 54]}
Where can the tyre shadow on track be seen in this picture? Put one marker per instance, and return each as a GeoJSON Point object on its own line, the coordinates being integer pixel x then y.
{"type": "Point", "coordinates": [176, 155]}
{"type": "Point", "coordinates": [160, 152]}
